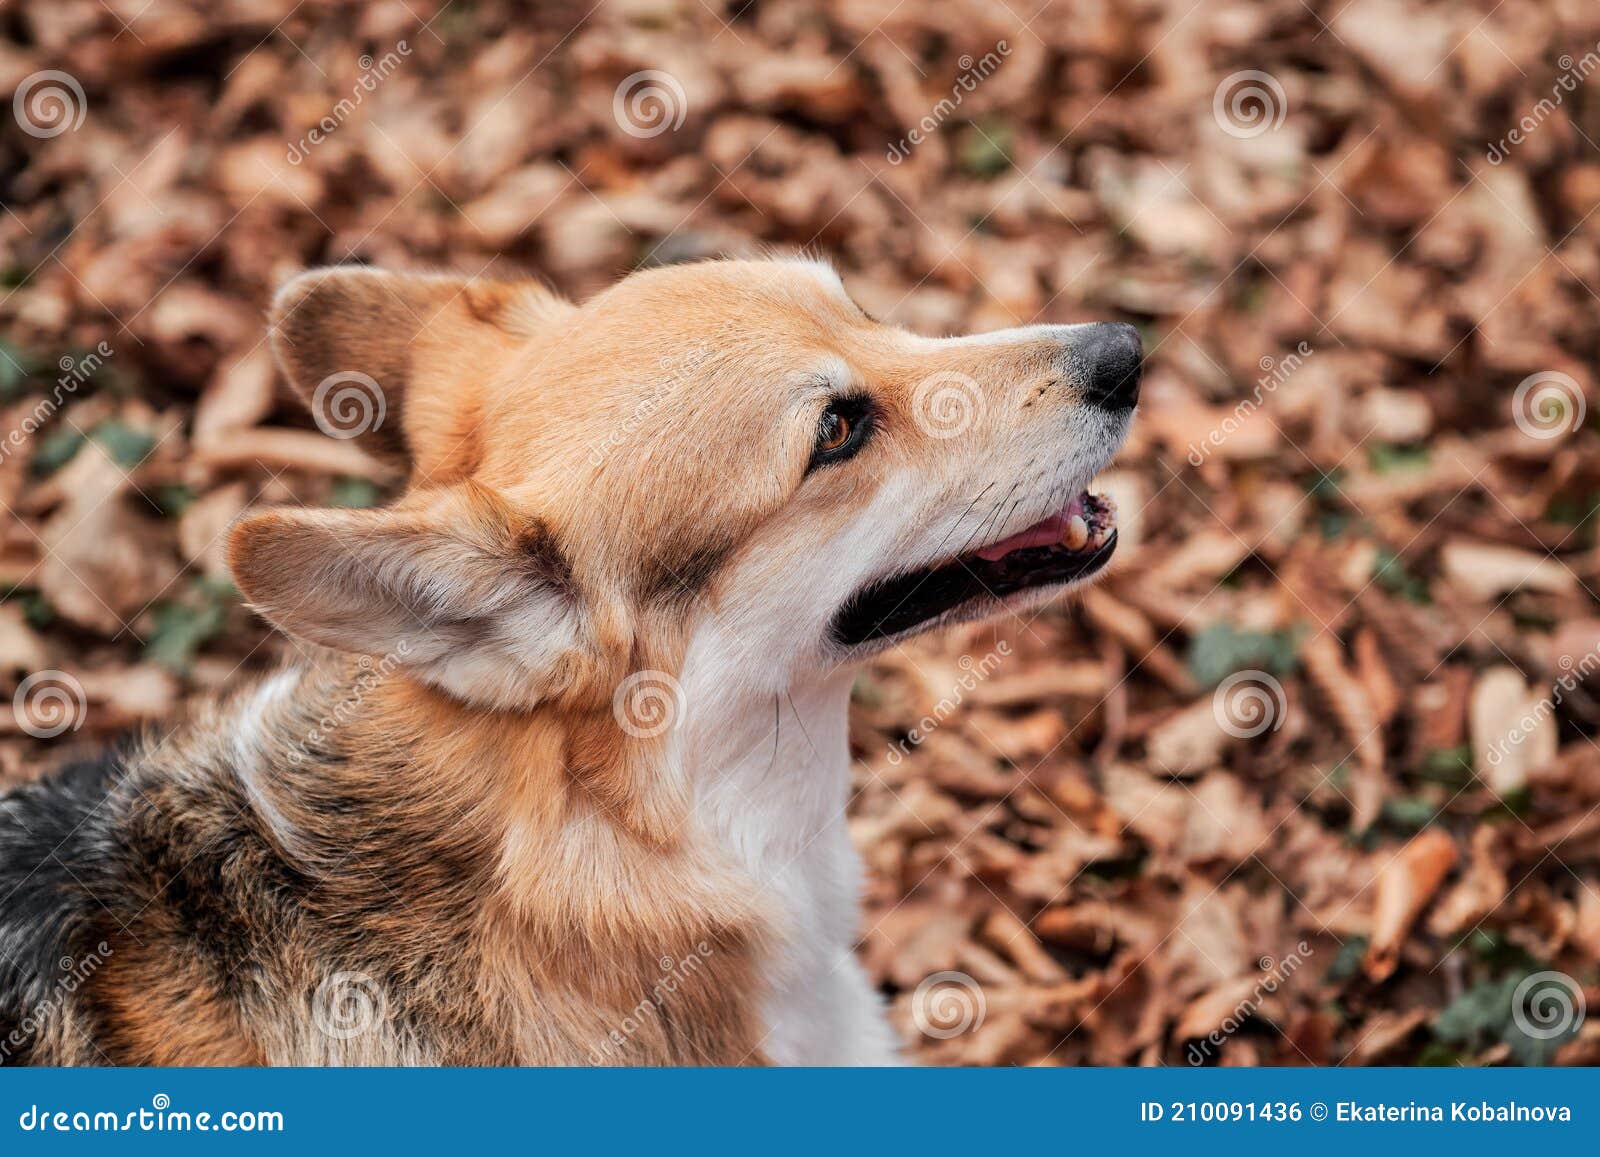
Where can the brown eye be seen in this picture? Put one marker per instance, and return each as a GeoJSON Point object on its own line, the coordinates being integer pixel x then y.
{"type": "Point", "coordinates": [841, 431]}
{"type": "Point", "coordinates": [834, 432]}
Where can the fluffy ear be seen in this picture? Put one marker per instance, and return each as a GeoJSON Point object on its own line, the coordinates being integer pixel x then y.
{"type": "Point", "coordinates": [457, 590]}
{"type": "Point", "coordinates": [393, 359]}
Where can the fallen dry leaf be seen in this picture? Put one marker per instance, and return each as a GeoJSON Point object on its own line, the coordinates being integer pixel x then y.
{"type": "Point", "coordinates": [1407, 882]}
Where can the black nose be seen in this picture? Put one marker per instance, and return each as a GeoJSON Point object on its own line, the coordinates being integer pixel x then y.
{"type": "Point", "coordinates": [1113, 360]}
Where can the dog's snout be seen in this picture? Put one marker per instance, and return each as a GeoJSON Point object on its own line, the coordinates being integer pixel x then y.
{"type": "Point", "coordinates": [1112, 357]}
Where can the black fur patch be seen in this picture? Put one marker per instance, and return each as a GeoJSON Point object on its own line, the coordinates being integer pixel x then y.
{"type": "Point", "coordinates": [680, 577]}
{"type": "Point", "coordinates": [55, 847]}
{"type": "Point", "coordinates": [537, 544]}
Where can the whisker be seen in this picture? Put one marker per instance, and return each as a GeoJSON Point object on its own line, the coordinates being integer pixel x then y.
{"type": "Point", "coordinates": [957, 524]}
{"type": "Point", "coordinates": [777, 727]}
{"type": "Point", "coordinates": [989, 518]}
{"type": "Point", "coordinates": [802, 724]}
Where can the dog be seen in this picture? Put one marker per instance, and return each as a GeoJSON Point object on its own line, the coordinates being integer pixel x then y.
{"type": "Point", "coordinates": [559, 773]}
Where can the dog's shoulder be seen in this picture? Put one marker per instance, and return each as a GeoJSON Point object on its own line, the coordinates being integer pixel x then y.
{"type": "Point", "coordinates": [135, 888]}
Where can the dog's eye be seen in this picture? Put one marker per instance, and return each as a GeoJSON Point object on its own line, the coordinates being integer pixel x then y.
{"type": "Point", "coordinates": [834, 432]}
{"type": "Point", "coordinates": [841, 431]}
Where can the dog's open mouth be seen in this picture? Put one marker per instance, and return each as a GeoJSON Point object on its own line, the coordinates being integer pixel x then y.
{"type": "Point", "coordinates": [1069, 545]}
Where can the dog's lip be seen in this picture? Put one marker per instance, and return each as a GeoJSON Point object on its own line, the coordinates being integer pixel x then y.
{"type": "Point", "coordinates": [1030, 559]}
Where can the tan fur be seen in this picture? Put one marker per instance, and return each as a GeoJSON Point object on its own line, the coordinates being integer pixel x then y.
{"type": "Point", "coordinates": [158, 1008]}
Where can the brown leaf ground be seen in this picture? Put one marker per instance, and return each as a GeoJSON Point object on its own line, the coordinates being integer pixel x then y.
{"type": "Point", "coordinates": [1311, 778]}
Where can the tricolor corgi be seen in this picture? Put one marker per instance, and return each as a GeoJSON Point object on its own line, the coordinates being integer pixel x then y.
{"type": "Point", "coordinates": [560, 771]}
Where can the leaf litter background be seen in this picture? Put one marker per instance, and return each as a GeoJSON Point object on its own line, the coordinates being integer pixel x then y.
{"type": "Point", "coordinates": [1387, 553]}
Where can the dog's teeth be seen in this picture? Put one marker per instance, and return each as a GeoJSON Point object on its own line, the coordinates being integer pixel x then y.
{"type": "Point", "coordinates": [1076, 533]}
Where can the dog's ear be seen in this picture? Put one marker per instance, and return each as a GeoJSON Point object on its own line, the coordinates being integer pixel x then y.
{"type": "Point", "coordinates": [457, 587]}
{"type": "Point", "coordinates": [395, 360]}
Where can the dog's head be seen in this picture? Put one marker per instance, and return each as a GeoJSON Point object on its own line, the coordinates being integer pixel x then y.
{"type": "Point", "coordinates": [728, 454]}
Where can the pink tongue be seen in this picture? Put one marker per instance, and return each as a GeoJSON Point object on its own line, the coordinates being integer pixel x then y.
{"type": "Point", "coordinates": [1046, 533]}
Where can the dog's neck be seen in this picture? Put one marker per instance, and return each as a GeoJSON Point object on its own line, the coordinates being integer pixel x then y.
{"type": "Point", "coordinates": [768, 769]}
{"type": "Point", "coordinates": [769, 778]}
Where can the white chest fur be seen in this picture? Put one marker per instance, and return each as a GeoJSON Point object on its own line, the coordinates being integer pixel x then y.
{"type": "Point", "coordinates": [770, 777]}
